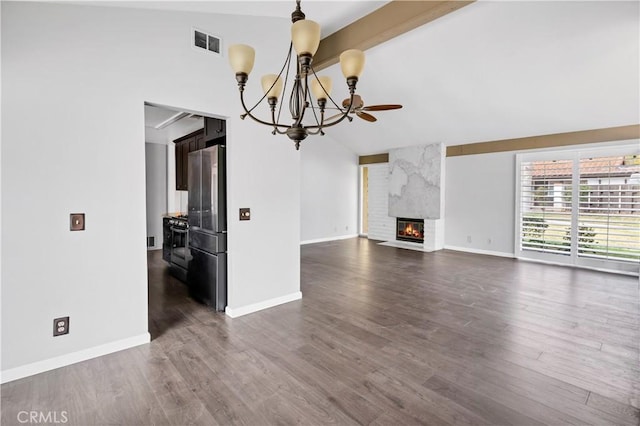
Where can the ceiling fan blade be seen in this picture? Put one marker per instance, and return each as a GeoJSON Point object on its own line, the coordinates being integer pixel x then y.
{"type": "Point", "coordinates": [365, 116]}
{"type": "Point", "coordinates": [383, 107]}
{"type": "Point", "coordinates": [328, 119]}
{"type": "Point", "coordinates": [357, 102]}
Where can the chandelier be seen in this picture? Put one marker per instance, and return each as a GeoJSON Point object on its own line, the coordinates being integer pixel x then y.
{"type": "Point", "coordinates": [305, 39]}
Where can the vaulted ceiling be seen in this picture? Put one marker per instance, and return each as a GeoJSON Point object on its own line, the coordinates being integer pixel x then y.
{"type": "Point", "coordinates": [498, 70]}
{"type": "Point", "coordinates": [488, 71]}
{"type": "Point", "coordinates": [332, 14]}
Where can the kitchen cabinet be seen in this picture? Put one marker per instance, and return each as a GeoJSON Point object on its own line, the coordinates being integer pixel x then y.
{"type": "Point", "coordinates": [182, 151]}
{"type": "Point", "coordinates": [200, 141]}
{"type": "Point", "coordinates": [184, 156]}
{"type": "Point", "coordinates": [214, 128]}
{"type": "Point", "coordinates": [183, 146]}
{"type": "Point", "coordinates": [214, 133]}
{"type": "Point", "coordinates": [180, 172]}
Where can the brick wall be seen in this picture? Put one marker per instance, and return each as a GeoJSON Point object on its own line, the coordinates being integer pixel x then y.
{"type": "Point", "coordinates": [434, 234]}
{"type": "Point", "coordinates": [381, 226]}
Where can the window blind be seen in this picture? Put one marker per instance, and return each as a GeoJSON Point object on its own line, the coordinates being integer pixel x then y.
{"type": "Point", "coordinates": [545, 206]}
{"type": "Point", "coordinates": [609, 212]}
{"type": "Point", "coordinates": [580, 207]}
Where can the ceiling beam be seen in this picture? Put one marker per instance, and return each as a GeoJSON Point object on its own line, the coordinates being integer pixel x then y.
{"type": "Point", "coordinates": [373, 159]}
{"type": "Point", "coordinates": [389, 21]}
{"type": "Point", "coordinates": [607, 134]}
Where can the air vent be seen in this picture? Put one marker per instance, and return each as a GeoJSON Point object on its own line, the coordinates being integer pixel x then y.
{"type": "Point", "coordinates": [151, 241]}
{"type": "Point", "coordinates": [206, 42]}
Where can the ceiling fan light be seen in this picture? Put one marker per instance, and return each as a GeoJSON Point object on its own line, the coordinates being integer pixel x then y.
{"type": "Point", "coordinates": [317, 87]}
{"type": "Point", "coordinates": [241, 58]}
{"type": "Point", "coordinates": [270, 89]}
{"type": "Point", "coordinates": [305, 35]}
{"type": "Point", "coordinates": [352, 63]}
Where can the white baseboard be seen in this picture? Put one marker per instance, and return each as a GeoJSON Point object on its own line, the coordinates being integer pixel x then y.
{"type": "Point", "coordinates": [248, 309]}
{"type": "Point", "coordinates": [72, 358]}
{"type": "Point", "coordinates": [570, 265]}
{"type": "Point", "coordinates": [480, 251]}
{"type": "Point", "coordinates": [324, 240]}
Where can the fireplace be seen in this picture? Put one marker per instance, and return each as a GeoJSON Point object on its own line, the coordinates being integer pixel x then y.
{"type": "Point", "coordinates": [410, 230]}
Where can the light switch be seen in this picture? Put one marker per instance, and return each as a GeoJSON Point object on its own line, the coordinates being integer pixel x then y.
{"type": "Point", "coordinates": [77, 221]}
{"type": "Point", "coordinates": [245, 214]}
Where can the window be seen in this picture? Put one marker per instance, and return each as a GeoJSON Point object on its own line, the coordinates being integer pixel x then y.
{"type": "Point", "coordinates": [609, 208]}
{"type": "Point", "coordinates": [546, 206]}
{"type": "Point", "coordinates": [580, 208]}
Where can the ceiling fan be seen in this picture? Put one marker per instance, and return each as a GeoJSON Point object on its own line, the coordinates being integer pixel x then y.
{"type": "Point", "coordinates": [358, 108]}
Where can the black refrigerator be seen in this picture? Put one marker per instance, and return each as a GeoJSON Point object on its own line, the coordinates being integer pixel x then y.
{"type": "Point", "coordinates": [207, 272]}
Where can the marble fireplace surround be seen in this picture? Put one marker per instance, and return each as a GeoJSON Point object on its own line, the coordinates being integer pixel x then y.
{"type": "Point", "coordinates": [416, 189]}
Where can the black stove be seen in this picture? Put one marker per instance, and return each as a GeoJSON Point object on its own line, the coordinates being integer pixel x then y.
{"type": "Point", "coordinates": [178, 222]}
{"type": "Point", "coordinates": [175, 245]}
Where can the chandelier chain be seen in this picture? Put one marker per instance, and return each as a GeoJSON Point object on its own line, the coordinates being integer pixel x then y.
{"type": "Point", "coordinates": [325, 90]}
{"type": "Point", "coordinates": [287, 64]}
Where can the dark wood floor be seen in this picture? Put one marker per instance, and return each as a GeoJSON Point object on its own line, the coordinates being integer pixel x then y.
{"type": "Point", "coordinates": [382, 336]}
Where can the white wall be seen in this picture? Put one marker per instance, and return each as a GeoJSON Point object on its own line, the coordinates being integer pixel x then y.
{"type": "Point", "coordinates": [480, 191]}
{"type": "Point", "coordinates": [381, 225]}
{"type": "Point", "coordinates": [156, 185]}
{"type": "Point", "coordinates": [1, 198]}
{"type": "Point", "coordinates": [480, 200]}
{"type": "Point", "coordinates": [329, 190]}
{"type": "Point", "coordinates": [75, 79]}
{"type": "Point", "coordinates": [479, 203]}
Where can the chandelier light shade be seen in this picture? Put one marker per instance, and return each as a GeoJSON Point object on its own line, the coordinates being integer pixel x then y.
{"type": "Point", "coordinates": [310, 94]}
{"type": "Point", "coordinates": [272, 85]}
{"type": "Point", "coordinates": [241, 58]}
{"type": "Point", "coordinates": [305, 36]}
{"type": "Point", "coordinates": [352, 63]}
{"type": "Point", "coordinates": [321, 87]}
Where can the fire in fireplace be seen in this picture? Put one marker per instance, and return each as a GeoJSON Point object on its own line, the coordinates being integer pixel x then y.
{"type": "Point", "coordinates": [410, 230]}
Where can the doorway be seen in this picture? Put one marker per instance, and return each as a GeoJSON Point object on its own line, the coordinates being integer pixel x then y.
{"type": "Point", "coordinates": [168, 298]}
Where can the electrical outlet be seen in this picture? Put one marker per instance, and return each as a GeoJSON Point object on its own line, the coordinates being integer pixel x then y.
{"type": "Point", "coordinates": [77, 221]}
{"type": "Point", "coordinates": [468, 238]}
{"type": "Point", "coordinates": [60, 326]}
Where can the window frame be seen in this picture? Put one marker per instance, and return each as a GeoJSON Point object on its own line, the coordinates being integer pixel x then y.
{"type": "Point", "coordinates": [573, 259]}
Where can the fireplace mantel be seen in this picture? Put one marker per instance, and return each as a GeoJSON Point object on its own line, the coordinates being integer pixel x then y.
{"type": "Point", "coordinates": [416, 189]}
{"type": "Point", "coordinates": [416, 182]}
